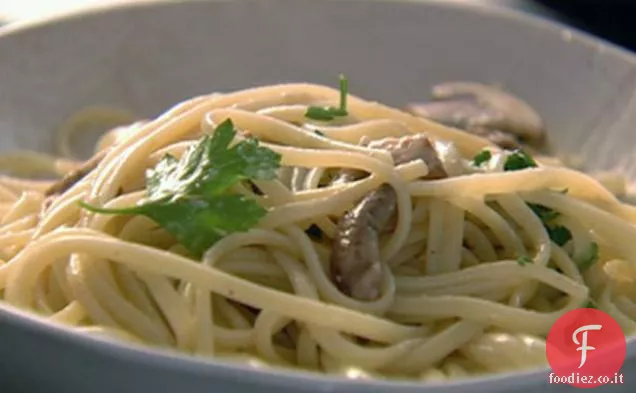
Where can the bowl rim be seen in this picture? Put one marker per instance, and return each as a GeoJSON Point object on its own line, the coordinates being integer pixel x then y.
{"type": "Point", "coordinates": [10, 27]}
{"type": "Point", "coordinates": [277, 376]}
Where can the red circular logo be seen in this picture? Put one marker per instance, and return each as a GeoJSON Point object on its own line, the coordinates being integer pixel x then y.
{"type": "Point", "coordinates": [586, 349]}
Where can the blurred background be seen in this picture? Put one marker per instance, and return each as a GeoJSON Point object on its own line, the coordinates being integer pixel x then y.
{"type": "Point", "coordinates": [607, 19]}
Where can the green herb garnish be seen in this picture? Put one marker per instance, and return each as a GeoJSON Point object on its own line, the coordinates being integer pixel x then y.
{"type": "Point", "coordinates": [482, 157]}
{"type": "Point", "coordinates": [519, 160]}
{"type": "Point", "coordinates": [559, 234]}
{"type": "Point", "coordinates": [190, 198]}
{"type": "Point", "coordinates": [319, 133]}
{"type": "Point", "coordinates": [329, 112]}
{"type": "Point", "coordinates": [546, 214]}
{"type": "Point", "coordinates": [591, 304]}
{"type": "Point", "coordinates": [524, 260]}
{"type": "Point", "coordinates": [590, 258]}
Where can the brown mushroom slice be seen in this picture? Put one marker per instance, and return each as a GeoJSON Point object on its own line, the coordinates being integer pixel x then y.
{"type": "Point", "coordinates": [71, 178]}
{"type": "Point", "coordinates": [356, 265]}
{"type": "Point", "coordinates": [458, 113]}
{"type": "Point", "coordinates": [502, 139]}
{"type": "Point", "coordinates": [461, 115]}
{"type": "Point", "coordinates": [474, 107]}
{"type": "Point", "coordinates": [516, 116]}
{"type": "Point", "coordinates": [403, 150]}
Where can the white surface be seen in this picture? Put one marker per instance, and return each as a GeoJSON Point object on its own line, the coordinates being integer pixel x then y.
{"type": "Point", "coordinates": [29, 9]}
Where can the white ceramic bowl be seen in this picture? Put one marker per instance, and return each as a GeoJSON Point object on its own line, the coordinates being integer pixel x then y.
{"type": "Point", "coordinates": [150, 56]}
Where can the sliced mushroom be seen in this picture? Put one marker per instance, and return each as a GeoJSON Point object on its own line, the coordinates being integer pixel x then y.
{"type": "Point", "coordinates": [112, 138]}
{"type": "Point", "coordinates": [403, 150]}
{"type": "Point", "coordinates": [73, 177]}
{"type": "Point", "coordinates": [499, 138]}
{"type": "Point", "coordinates": [484, 110]}
{"type": "Point", "coordinates": [356, 265]}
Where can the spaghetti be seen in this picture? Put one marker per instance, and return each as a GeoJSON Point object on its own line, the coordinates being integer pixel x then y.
{"type": "Point", "coordinates": [475, 268]}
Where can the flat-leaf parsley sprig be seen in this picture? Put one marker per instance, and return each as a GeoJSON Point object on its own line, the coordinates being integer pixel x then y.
{"type": "Point", "coordinates": [189, 197]}
{"type": "Point", "coordinates": [327, 113]}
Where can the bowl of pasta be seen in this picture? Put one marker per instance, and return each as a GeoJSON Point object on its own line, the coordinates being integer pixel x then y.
{"type": "Point", "coordinates": [309, 196]}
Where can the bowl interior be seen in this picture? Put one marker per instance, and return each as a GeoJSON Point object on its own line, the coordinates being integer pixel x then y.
{"type": "Point", "coordinates": [145, 58]}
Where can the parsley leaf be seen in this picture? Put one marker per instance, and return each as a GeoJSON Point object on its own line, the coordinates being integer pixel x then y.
{"type": "Point", "coordinates": [524, 260]}
{"type": "Point", "coordinates": [482, 157]}
{"type": "Point", "coordinates": [518, 160]}
{"type": "Point", "coordinates": [544, 213]}
{"type": "Point", "coordinates": [591, 304]}
{"type": "Point", "coordinates": [559, 234]}
{"type": "Point", "coordinates": [329, 112]}
{"type": "Point", "coordinates": [590, 258]}
{"type": "Point", "coordinates": [189, 197]}
{"type": "Point", "coordinates": [324, 114]}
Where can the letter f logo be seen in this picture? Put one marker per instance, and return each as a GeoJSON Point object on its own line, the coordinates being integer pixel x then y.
{"type": "Point", "coordinates": [583, 343]}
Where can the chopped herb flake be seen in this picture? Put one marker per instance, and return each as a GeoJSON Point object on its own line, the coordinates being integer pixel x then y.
{"type": "Point", "coordinates": [482, 157]}
{"type": "Point", "coordinates": [546, 214]}
{"type": "Point", "coordinates": [590, 258]}
{"type": "Point", "coordinates": [524, 260]}
{"type": "Point", "coordinates": [559, 234]}
{"type": "Point", "coordinates": [519, 160]}
{"type": "Point", "coordinates": [319, 133]}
